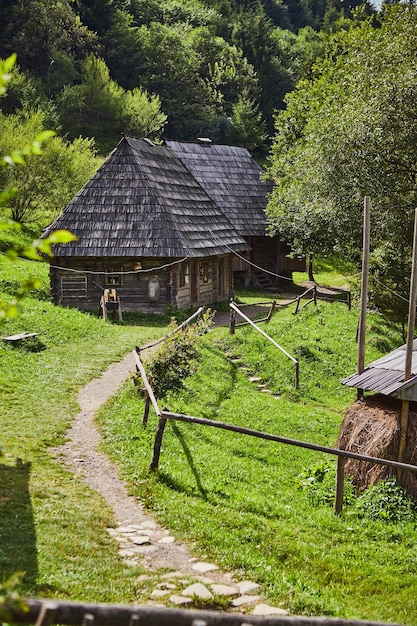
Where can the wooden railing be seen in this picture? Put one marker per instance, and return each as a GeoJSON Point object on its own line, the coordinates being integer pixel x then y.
{"type": "Point", "coordinates": [341, 455]}
{"type": "Point", "coordinates": [48, 612]}
{"type": "Point", "coordinates": [236, 310]}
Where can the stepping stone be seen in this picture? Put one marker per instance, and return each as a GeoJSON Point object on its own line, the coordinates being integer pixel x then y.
{"type": "Point", "coordinates": [246, 586]}
{"type": "Point", "coordinates": [149, 524]}
{"type": "Point", "coordinates": [167, 540]}
{"type": "Point", "coordinates": [167, 586]}
{"type": "Point", "coordinates": [255, 379]}
{"type": "Point", "coordinates": [178, 600]}
{"type": "Point", "coordinates": [265, 609]}
{"type": "Point", "coordinates": [142, 578]}
{"type": "Point", "coordinates": [245, 600]}
{"type": "Point", "coordinates": [140, 540]}
{"type": "Point", "coordinates": [224, 590]}
{"type": "Point", "coordinates": [199, 590]}
{"type": "Point", "coordinates": [265, 391]}
{"type": "Point", "coordinates": [203, 568]}
{"type": "Point", "coordinates": [160, 593]}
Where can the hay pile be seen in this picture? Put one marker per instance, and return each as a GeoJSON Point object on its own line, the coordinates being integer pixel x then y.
{"type": "Point", "coordinates": [372, 427]}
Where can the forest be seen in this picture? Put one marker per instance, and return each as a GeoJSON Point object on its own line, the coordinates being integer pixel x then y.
{"type": "Point", "coordinates": [322, 93]}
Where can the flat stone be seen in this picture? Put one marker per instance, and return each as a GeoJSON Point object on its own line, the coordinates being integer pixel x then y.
{"type": "Point", "coordinates": [245, 600]}
{"type": "Point", "coordinates": [140, 540]}
{"type": "Point", "coordinates": [178, 600]}
{"type": "Point", "coordinates": [255, 379]}
{"type": "Point", "coordinates": [205, 580]}
{"type": "Point", "coordinates": [224, 590]}
{"type": "Point", "coordinates": [142, 578]}
{"type": "Point", "coordinates": [167, 586]}
{"type": "Point", "coordinates": [127, 553]}
{"type": "Point", "coordinates": [149, 524]}
{"type": "Point", "coordinates": [127, 529]}
{"type": "Point", "coordinates": [167, 539]}
{"type": "Point", "coordinates": [160, 593]}
{"type": "Point", "coordinates": [265, 609]}
{"type": "Point", "coordinates": [199, 590]}
{"type": "Point", "coordinates": [203, 568]}
{"type": "Point", "coordinates": [265, 391]}
{"type": "Point", "coordinates": [246, 586]}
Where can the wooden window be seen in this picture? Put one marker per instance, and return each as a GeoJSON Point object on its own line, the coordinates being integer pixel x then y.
{"type": "Point", "coordinates": [184, 275]}
{"type": "Point", "coordinates": [112, 279]}
{"type": "Point", "coordinates": [204, 272]}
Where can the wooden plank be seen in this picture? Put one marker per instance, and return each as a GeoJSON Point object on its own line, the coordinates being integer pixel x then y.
{"type": "Point", "coordinates": [19, 337]}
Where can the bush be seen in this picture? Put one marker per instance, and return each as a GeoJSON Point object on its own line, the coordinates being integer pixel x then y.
{"type": "Point", "coordinates": [176, 359]}
{"type": "Point", "coordinates": [319, 484]}
{"type": "Point", "coordinates": [386, 501]}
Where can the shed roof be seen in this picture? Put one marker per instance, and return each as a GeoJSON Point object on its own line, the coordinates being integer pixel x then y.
{"type": "Point", "coordinates": [143, 201]}
{"type": "Point", "coordinates": [386, 375]}
{"type": "Point", "coordinates": [232, 178]}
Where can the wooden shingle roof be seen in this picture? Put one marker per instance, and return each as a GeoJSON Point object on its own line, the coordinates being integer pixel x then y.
{"type": "Point", "coordinates": [386, 375]}
{"type": "Point", "coordinates": [143, 201]}
{"type": "Point", "coordinates": [232, 178]}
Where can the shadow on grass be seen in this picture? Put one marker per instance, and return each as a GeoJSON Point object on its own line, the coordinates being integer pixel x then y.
{"type": "Point", "coordinates": [17, 531]}
{"type": "Point", "coordinates": [189, 458]}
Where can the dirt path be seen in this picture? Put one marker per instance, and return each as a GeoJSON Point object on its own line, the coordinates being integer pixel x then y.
{"type": "Point", "coordinates": [141, 539]}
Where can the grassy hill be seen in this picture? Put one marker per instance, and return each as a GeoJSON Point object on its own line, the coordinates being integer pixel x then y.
{"type": "Point", "coordinates": [237, 500]}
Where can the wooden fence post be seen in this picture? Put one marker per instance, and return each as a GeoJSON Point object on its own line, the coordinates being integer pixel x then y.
{"type": "Point", "coordinates": [271, 310]}
{"type": "Point", "coordinates": [158, 442]}
{"type": "Point", "coordinates": [232, 320]}
{"type": "Point", "coordinates": [340, 480]}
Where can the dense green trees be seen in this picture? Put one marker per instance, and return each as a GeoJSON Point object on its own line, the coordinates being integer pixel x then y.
{"type": "Point", "coordinates": [201, 63]}
{"type": "Point", "coordinates": [351, 131]}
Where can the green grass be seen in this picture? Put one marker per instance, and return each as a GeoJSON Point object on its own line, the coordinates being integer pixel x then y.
{"type": "Point", "coordinates": [235, 499]}
{"type": "Point", "coordinates": [238, 500]}
{"type": "Point", "coordinates": [52, 526]}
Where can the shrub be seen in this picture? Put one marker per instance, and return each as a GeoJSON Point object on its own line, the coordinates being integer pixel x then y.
{"type": "Point", "coordinates": [176, 359]}
{"type": "Point", "coordinates": [386, 501]}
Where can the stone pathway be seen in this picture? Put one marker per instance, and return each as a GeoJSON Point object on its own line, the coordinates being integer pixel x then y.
{"type": "Point", "coordinates": [142, 541]}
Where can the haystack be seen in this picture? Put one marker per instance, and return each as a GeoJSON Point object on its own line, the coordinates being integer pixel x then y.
{"type": "Point", "coordinates": [372, 427]}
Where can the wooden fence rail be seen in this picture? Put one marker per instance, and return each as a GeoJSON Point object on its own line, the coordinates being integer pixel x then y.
{"type": "Point", "coordinates": [235, 310]}
{"type": "Point", "coordinates": [48, 612]}
{"type": "Point", "coordinates": [340, 454]}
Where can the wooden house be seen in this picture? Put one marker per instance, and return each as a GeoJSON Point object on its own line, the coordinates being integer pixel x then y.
{"type": "Point", "coordinates": [233, 179]}
{"type": "Point", "coordinates": [161, 229]}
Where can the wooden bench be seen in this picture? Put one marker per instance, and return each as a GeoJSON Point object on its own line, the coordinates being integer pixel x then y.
{"type": "Point", "coordinates": [19, 337]}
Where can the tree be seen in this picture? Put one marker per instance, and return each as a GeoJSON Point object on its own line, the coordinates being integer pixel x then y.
{"type": "Point", "coordinates": [99, 108]}
{"type": "Point", "coordinates": [351, 131]}
{"type": "Point", "coordinates": [44, 182]}
{"type": "Point", "coordinates": [10, 308]}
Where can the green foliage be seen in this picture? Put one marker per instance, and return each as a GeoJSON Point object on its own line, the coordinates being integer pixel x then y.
{"type": "Point", "coordinates": [100, 108]}
{"type": "Point", "coordinates": [346, 133]}
{"type": "Point", "coordinates": [386, 501]}
{"type": "Point", "coordinates": [176, 359]}
{"type": "Point", "coordinates": [10, 601]}
{"type": "Point", "coordinates": [48, 177]}
{"type": "Point", "coordinates": [318, 483]}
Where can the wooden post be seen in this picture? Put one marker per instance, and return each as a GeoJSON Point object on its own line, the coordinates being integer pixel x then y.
{"type": "Point", "coordinates": [409, 349]}
{"type": "Point", "coordinates": [340, 480]}
{"type": "Point", "coordinates": [157, 443]}
{"type": "Point", "coordinates": [271, 310]}
{"type": "Point", "coordinates": [297, 375]}
{"type": "Point", "coordinates": [232, 320]}
{"type": "Point", "coordinates": [364, 287]}
{"type": "Point", "coordinates": [315, 295]}
{"type": "Point", "coordinates": [349, 300]}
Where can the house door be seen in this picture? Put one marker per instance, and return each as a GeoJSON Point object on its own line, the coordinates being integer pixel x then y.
{"type": "Point", "coordinates": [194, 280]}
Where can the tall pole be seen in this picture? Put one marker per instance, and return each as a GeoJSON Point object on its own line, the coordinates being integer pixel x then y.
{"type": "Point", "coordinates": [405, 404]}
{"type": "Point", "coordinates": [364, 286]}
